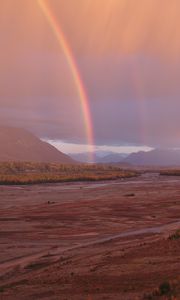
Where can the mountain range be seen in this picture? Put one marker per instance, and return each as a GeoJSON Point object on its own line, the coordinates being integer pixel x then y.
{"type": "Point", "coordinates": [155, 157]}
{"type": "Point", "coordinates": [18, 144]}
{"type": "Point", "coordinates": [99, 157]}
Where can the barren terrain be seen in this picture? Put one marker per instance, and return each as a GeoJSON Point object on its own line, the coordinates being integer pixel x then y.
{"type": "Point", "coordinates": [80, 241]}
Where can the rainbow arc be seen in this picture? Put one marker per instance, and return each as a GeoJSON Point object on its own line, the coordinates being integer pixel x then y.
{"type": "Point", "coordinates": [63, 43]}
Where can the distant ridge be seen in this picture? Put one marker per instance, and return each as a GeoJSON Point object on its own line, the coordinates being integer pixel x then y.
{"type": "Point", "coordinates": [156, 157]}
{"type": "Point", "coordinates": [99, 157]}
{"type": "Point", "coordinates": [17, 144]}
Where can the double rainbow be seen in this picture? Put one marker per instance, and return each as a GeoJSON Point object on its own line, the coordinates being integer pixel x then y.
{"type": "Point", "coordinates": [63, 43]}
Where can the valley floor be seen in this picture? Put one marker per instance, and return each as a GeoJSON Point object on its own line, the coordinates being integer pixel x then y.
{"type": "Point", "coordinates": [91, 241]}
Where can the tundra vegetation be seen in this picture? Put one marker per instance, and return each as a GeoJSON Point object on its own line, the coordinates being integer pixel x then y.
{"type": "Point", "coordinates": [170, 172]}
{"type": "Point", "coordinates": [166, 290]}
{"type": "Point", "coordinates": [175, 235]}
{"type": "Point", "coordinates": [32, 173]}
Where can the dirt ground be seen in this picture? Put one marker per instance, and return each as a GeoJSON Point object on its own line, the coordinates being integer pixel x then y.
{"type": "Point", "coordinates": [91, 241]}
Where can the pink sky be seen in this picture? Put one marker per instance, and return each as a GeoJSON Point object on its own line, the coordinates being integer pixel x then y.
{"type": "Point", "coordinates": [128, 56]}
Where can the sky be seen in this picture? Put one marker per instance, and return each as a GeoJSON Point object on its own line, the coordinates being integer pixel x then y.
{"type": "Point", "coordinates": [127, 54]}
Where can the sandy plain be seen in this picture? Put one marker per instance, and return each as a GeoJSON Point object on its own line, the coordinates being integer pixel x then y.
{"type": "Point", "coordinates": [90, 241]}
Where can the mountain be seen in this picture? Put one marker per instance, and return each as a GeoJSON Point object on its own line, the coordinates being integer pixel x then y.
{"type": "Point", "coordinates": [157, 157]}
{"type": "Point", "coordinates": [113, 158]}
{"type": "Point", "coordinates": [98, 157]}
{"type": "Point", "coordinates": [18, 144]}
{"type": "Point", "coordinates": [84, 157]}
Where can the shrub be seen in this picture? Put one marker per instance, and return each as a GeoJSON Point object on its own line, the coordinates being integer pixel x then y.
{"type": "Point", "coordinates": [175, 235]}
{"type": "Point", "coordinates": [31, 173]}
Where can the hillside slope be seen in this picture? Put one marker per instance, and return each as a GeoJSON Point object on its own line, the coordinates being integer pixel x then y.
{"type": "Point", "coordinates": [20, 145]}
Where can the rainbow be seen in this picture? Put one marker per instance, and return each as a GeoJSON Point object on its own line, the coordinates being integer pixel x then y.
{"type": "Point", "coordinates": [139, 91]}
{"type": "Point", "coordinates": [62, 41]}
